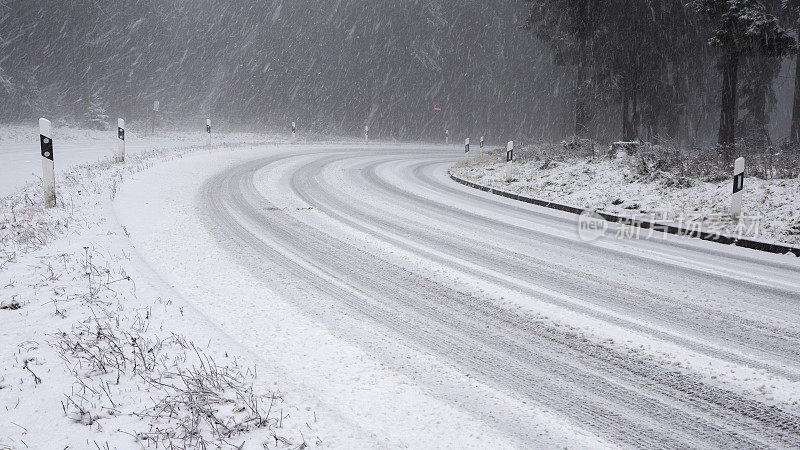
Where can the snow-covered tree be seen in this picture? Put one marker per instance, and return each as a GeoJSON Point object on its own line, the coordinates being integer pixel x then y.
{"type": "Point", "coordinates": [740, 28]}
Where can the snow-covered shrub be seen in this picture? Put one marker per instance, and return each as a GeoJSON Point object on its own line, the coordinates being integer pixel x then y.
{"type": "Point", "coordinates": [623, 148]}
{"type": "Point", "coordinates": [580, 147]}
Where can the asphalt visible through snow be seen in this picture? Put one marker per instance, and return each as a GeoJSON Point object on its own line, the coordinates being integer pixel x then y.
{"type": "Point", "coordinates": [383, 242]}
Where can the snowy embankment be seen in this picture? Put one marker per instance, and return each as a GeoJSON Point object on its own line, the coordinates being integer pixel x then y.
{"type": "Point", "coordinates": [97, 352]}
{"type": "Point", "coordinates": [21, 162]}
{"type": "Point", "coordinates": [771, 208]}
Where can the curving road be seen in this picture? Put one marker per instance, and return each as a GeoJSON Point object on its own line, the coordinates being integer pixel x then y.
{"type": "Point", "coordinates": [598, 333]}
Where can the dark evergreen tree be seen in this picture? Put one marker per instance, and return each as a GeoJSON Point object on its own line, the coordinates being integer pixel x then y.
{"type": "Point", "coordinates": [740, 28]}
{"type": "Point", "coordinates": [791, 16]}
{"type": "Point", "coordinates": [571, 29]}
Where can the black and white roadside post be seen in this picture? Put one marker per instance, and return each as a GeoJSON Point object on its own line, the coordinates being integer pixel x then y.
{"type": "Point", "coordinates": [366, 134]}
{"type": "Point", "coordinates": [120, 157]}
{"type": "Point", "coordinates": [509, 161]}
{"type": "Point", "coordinates": [294, 131]}
{"type": "Point", "coordinates": [481, 141]}
{"type": "Point", "coordinates": [156, 107]}
{"type": "Point", "coordinates": [446, 136]}
{"type": "Point", "coordinates": [208, 132]}
{"type": "Point", "coordinates": [48, 171]}
{"type": "Point", "coordinates": [738, 186]}
{"type": "Point", "coordinates": [466, 148]}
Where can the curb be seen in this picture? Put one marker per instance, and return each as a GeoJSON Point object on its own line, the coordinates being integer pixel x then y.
{"type": "Point", "coordinates": [664, 228]}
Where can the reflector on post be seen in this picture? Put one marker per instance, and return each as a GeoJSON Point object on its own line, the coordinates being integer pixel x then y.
{"type": "Point", "coordinates": [121, 140]}
{"type": "Point", "coordinates": [738, 186]}
{"type": "Point", "coordinates": [48, 170]}
{"type": "Point", "coordinates": [509, 161]}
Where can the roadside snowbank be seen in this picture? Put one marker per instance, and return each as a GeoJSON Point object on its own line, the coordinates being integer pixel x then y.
{"type": "Point", "coordinates": [21, 161]}
{"type": "Point", "coordinates": [771, 209]}
{"type": "Point", "coordinates": [96, 351]}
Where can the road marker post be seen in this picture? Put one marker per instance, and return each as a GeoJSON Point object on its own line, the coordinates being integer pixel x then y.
{"type": "Point", "coordinates": [294, 131]}
{"type": "Point", "coordinates": [466, 148]}
{"type": "Point", "coordinates": [156, 108]}
{"type": "Point", "coordinates": [509, 161]}
{"type": "Point", "coordinates": [366, 134]}
{"type": "Point", "coordinates": [208, 132]}
{"type": "Point", "coordinates": [447, 137]}
{"type": "Point", "coordinates": [738, 186]}
{"type": "Point", "coordinates": [48, 170]}
{"type": "Point", "coordinates": [481, 141]}
{"type": "Point", "coordinates": [120, 157]}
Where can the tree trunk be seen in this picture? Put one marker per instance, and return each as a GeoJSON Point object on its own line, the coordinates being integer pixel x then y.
{"type": "Point", "coordinates": [581, 106]}
{"type": "Point", "coordinates": [729, 106]}
{"type": "Point", "coordinates": [629, 111]}
{"type": "Point", "coordinates": [581, 94]}
{"type": "Point", "coordinates": [795, 135]}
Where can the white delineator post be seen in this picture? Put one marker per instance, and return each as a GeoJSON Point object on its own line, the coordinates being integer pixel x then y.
{"type": "Point", "coordinates": [481, 141]}
{"type": "Point", "coordinates": [156, 107]}
{"type": "Point", "coordinates": [509, 161]}
{"type": "Point", "coordinates": [738, 186]}
{"type": "Point", "coordinates": [294, 130]}
{"type": "Point", "coordinates": [121, 140]}
{"type": "Point", "coordinates": [208, 131]}
{"type": "Point", "coordinates": [366, 134]}
{"type": "Point", "coordinates": [446, 136]}
{"type": "Point", "coordinates": [48, 171]}
{"type": "Point", "coordinates": [466, 147]}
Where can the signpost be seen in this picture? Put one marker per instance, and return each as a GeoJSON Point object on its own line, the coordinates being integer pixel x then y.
{"type": "Point", "coordinates": [437, 109]}
{"type": "Point", "coordinates": [48, 171]}
{"type": "Point", "coordinates": [509, 161]}
{"type": "Point", "coordinates": [738, 186]}
{"type": "Point", "coordinates": [156, 108]}
{"type": "Point", "coordinates": [121, 140]}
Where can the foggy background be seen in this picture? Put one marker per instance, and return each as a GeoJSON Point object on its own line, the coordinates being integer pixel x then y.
{"type": "Point", "coordinates": [335, 66]}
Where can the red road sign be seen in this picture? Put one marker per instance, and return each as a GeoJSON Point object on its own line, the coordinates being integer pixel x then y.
{"type": "Point", "coordinates": [437, 109]}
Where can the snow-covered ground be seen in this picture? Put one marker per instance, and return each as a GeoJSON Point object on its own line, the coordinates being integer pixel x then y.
{"type": "Point", "coordinates": [771, 208]}
{"type": "Point", "coordinates": [98, 350]}
{"type": "Point", "coordinates": [366, 301]}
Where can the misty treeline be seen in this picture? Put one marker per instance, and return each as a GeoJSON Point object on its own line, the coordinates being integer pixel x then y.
{"type": "Point", "coordinates": [538, 70]}
{"type": "Point", "coordinates": [332, 66]}
{"type": "Point", "coordinates": [664, 64]}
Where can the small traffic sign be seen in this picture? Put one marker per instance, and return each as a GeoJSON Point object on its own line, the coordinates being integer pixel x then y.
{"type": "Point", "coordinates": [437, 109]}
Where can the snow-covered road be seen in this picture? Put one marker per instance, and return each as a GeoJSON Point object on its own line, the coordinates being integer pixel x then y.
{"type": "Point", "coordinates": [494, 312]}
